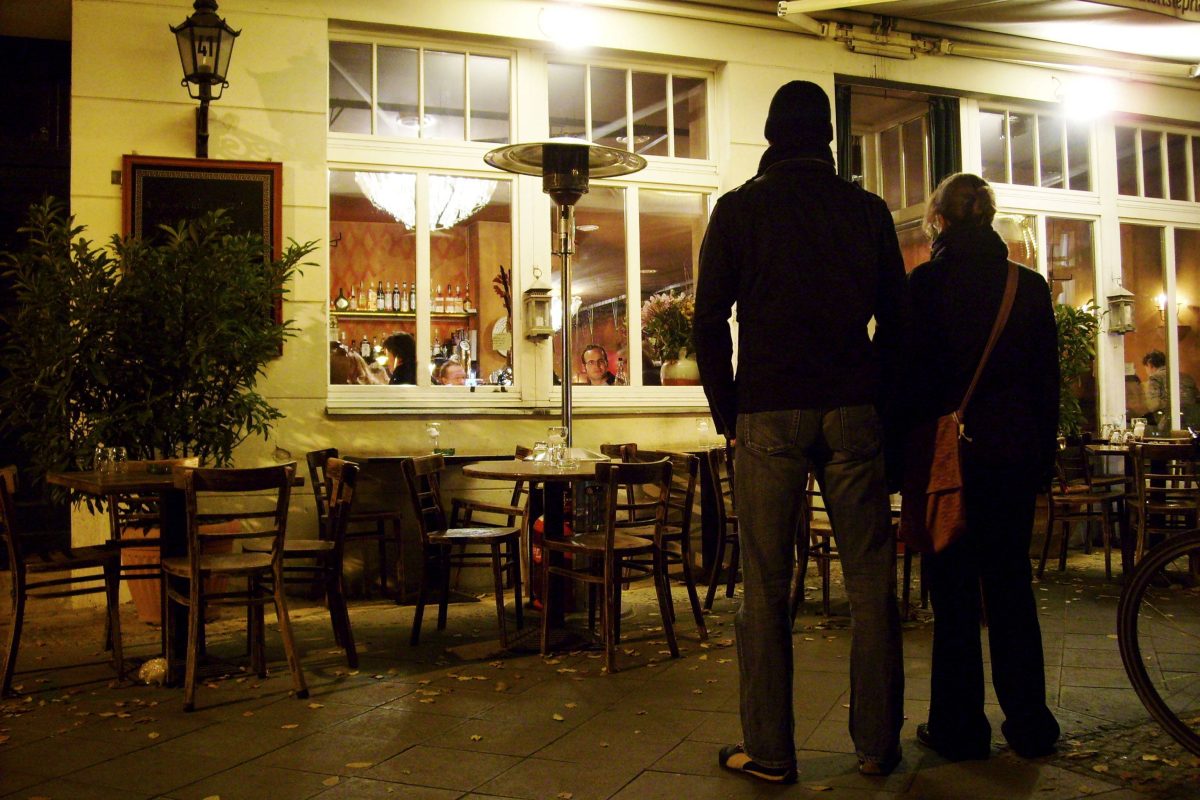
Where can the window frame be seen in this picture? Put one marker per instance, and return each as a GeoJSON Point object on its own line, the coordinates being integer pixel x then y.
{"type": "Point", "coordinates": [1038, 113]}
{"type": "Point", "coordinates": [1191, 145]}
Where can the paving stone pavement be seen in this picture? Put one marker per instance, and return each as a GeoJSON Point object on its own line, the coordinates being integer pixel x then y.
{"type": "Point", "coordinates": [458, 718]}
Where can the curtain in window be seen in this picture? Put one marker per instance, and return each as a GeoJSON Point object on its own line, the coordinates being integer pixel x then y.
{"type": "Point", "coordinates": [844, 136]}
{"type": "Point", "coordinates": [945, 140]}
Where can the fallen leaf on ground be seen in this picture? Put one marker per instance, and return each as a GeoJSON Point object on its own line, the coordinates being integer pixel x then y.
{"type": "Point", "coordinates": [818, 788]}
{"type": "Point", "coordinates": [475, 737]}
{"type": "Point", "coordinates": [359, 764]}
{"type": "Point", "coordinates": [331, 781]}
{"type": "Point", "coordinates": [558, 717]}
{"type": "Point", "coordinates": [153, 735]}
{"type": "Point", "coordinates": [290, 725]}
{"type": "Point", "coordinates": [316, 705]}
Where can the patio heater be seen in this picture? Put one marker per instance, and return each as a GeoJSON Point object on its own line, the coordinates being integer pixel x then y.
{"type": "Point", "coordinates": [565, 166]}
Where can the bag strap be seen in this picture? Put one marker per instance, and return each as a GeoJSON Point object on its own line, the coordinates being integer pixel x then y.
{"type": "Point", "coordinates": [1006, 304]}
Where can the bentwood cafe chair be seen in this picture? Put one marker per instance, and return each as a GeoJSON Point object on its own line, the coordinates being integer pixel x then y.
{"type": "Point", "coordinates": [40, 570]}
{"type": "Point", "coordinates": [257, 501]}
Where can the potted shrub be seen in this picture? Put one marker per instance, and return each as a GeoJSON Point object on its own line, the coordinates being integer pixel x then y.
{"type": "Point", "coordinates": [1077, 331]}
{"type": "Point", "coordinates": [153, 346]}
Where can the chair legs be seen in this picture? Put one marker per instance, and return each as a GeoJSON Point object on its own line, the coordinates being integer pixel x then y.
{"type": "Point", "coordinates": [718, 559]}
{"type": "Point", "coordinates": [339, 614]}
{"type": "Point", "coordinates": [289, 642]}
{"type": "Point", "coordinates": [498, 578]}
{"type": "Point", "coordinates": [665, 607]}
{"type": "Point", "coordinates": [689, 580]}
{"type": "Point", "coordinates": [112, 601]}
{"type": "Point", "coordinates": [14, 635]}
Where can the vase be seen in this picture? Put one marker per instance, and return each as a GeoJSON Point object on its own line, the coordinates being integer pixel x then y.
{"type": "Point", "coordinates": [682, 371]}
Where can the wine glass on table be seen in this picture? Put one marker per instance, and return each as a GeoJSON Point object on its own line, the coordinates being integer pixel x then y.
{"type": "Point", "coordinates": [556, 438]}
{"type": "Point", "coordinates": [434, 430]}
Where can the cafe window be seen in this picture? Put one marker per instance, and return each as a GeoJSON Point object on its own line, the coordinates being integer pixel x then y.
{"type": "Point", "coordinates": [646, 112]}
{"type": "Point", "coordinates": [414, 256]}
{"type": "Point", "coordinates": [670, 226]}
{"type": "Point", "coordinates": [419, 93]}
{"type": "Point", "coordinates": [1032, 149]}
{"type": "Point", "coordinates": [1158, 163]}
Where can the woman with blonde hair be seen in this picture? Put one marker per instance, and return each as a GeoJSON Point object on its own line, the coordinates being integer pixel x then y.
{"type": "Point", "coordinates": [1008, 458]}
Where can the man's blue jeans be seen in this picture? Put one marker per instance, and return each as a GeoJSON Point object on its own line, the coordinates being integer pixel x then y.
{"type": "Point", "coordinates": [775, 451]}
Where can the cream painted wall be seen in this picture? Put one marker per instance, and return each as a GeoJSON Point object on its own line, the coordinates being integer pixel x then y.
{"type": "Point", "coordinates": [275, 109]}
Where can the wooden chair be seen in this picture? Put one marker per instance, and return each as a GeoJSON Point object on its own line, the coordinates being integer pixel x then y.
{"type": "Point", "coordinates": [61, 567]}
{"type": "Point", "coordinates": [677, 532]}
{"type": "Point", "coordinates": [515, 513]}
{"type": "Point", "coordinates": [1073, 497]}
{"type": "Point", "coordinates": [604, 556]}
{"type": "Point", "coordinates": [438, 541]}
{"type": "Point", "coordinates": [261, 496]}
{"type": "Point", "coordinates": [364, 524]}
{"type": "Point", "coordinates": [321, 558]}
{"type": "Point", "coordinates": [1166, 490]}
{"type": "Point", "coordinates": [814, 539]}
{"type": "Point", "coordinates": [720, 463]}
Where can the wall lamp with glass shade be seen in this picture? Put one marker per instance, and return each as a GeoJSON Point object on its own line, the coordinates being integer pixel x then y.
{"type": "Point", "coordinates": [1120, 311]}
{"type": "Point", "coordinates": [205, 46]}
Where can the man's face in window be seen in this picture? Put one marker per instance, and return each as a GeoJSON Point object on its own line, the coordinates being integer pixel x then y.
{"type": "Point", "coordinates": [595, 365]}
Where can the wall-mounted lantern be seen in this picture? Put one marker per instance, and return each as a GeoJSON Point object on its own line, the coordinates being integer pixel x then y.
{"type": "Point", "coordinates": [205, 46]}
{"type": "Point", "coordinates": [538, 323]}
{"type": "Point", "coordinates": [1120, 311]}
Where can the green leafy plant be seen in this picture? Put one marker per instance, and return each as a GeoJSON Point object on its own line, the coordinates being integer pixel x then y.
{"type": "Point", "coordinates": [1077, 331]}
{"type": "Point", "coordinates": [154, 347]}
{"type": "Point", "coordinates": [667, 325]}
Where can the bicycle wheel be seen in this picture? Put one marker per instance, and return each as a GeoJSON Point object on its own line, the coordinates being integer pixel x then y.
{"type": "Point", "coordinates": [1158, 630]}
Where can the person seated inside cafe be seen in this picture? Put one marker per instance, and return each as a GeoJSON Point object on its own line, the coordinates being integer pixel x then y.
{"type": "Point", "coordinates": [347, 367]}
{"type": "Point", "coordinates": [402, 353]}
{"type": "Point", "coordinates": [451, 372]}
{"type": "Point", "coordinates": [595, 366]}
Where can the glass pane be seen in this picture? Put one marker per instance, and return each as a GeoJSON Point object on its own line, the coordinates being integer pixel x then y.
{"type": "Point", "coordinates": [371, 218]}
{"type": "Point", "coordinates": [1019, 232]}
{"type": "Point", "coordinates": [889, 167]}
{"type": "Point", "coordinates": [1020, 133]}
{"type": "Point", "coordinates": [397, 92]}
{"type": "Point", "coordinates": [914, 244]}
{"type": "Point", "coordinates": [649, 114]}
{"type": "Point", "coordinates": [690, 99]}
{"type": "Point", "coordinates": [1050, 145]}
{"type": "Point", "coordinates": [1071, 261]}
{"type": "Point", "coordinates": [471, 238]}
{"type": "Point", "coordinates": [489, 99]}
{"type": "Point", "coordinates": [1152, 164]}
{"type": "Point", "coordinates": [1196, 169]}
{"type": "Point", "coordinates": [1187, 298]}
{"type": "Point", "coordinates": [672, 227]}
{"type": "Point", "coordinates": [915, 189]}
{"type": "Point", "coordinates": [608, 107]}
{"type": "Point", "coordinates": [1177, 165]}
{"type": "Point", "coordinates": [1126, 162]}
{"type": "Point", "coordinates": [1079, 155]}
{"type": "Point", "coordinates": [445, 104]}
{"type": "Point", "coordinates": [1146, 394]}
{"type": "Point", "coordinates": [566, 92]}
{"type": "Point", "coordinates": [349, 87]}
{"type": "Point", "coordinates": [992, 144]}
{"type": "Point", "coordinates": [597, 309]}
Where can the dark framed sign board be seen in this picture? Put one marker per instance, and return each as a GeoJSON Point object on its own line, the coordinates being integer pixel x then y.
{"type": "Point", "coordinates": [162, 191]}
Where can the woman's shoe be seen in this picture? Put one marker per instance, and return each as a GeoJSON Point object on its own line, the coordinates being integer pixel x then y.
{"type": "Point", "coordinates": [953, 752]}
{"type": "Point", "coordinates": [733, 757]}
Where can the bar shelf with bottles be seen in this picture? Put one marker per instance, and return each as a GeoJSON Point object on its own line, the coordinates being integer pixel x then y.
{"type": "Point", "coordinates": [401, 315]}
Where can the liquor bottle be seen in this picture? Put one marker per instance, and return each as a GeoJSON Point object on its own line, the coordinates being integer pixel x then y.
{"type": "Point", "coordinates": [404, 307]}
{"type": "Point", "coordinates": [380, 300]}
{"type": "Point", "coordinates": [467, 308]}
{"type": "Point", "coordinates": [439, 301]}
{"type": "Point", "coordinates": [412, 297]}
{"type": "Point", "coordinates": [354, 298]}
{"type": "Point", "coordinates": [370, 298]}
{"type": "Point", "coordinates": [376, 350]}
{"type": "Point", "coordinates": [436, 350]}
{"type": "Point", "coordinates": [341, 303]}
{"type": "Point", "coordinates": [458, 307]}
{"type": "Point", "coordinates": [395, 296]}
{"type": "Point", "coordinates": [621, 378]}
{"type": "Point", "coordinates": [364, 348]}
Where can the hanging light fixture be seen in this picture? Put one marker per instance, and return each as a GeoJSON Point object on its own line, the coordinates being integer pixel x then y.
{"type": "Point", "coordinates": [452, 198]}
{"type": "Point", "coordinates": [205, 44]}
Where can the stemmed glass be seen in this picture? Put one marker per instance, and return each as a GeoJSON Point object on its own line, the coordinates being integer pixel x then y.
{"type": "Point", "coordinates": [434, 430]}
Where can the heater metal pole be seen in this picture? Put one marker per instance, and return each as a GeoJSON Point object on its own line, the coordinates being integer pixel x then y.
{"type": "Point", "coordinates": [566, 248]}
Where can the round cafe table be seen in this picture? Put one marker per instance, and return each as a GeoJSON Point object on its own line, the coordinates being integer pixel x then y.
{"type": "Point", "coordinates": [556, 482]}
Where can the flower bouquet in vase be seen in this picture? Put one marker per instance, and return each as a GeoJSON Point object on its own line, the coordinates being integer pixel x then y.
{"type": "Point", "coordinates": [667, 336]}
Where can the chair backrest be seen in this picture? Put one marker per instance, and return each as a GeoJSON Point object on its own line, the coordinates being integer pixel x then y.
{"type": "Point", "coordinates": [1167, 475]}
{"type": "Point", "coordinates": [1071, 465]}
{"type": "Point", "coordinates": [813, 515]}
{"type": "Point", "coordinates": [136, 510]}
{"type": "Point", "coordinates": [520, 494]}
{"type": "Point", "coordinates": [8, 530]}
{"type": "Point", "coordinates": [423, 475]}
{"type": "Point", "coordinates": [685, 469]}
{"type": "Point", "coordinates": [316, 474]}
{"type": "Point", "coordinates": [720, 471]}
{"type": "Point", "coordinates": [343, 478]}
{"type": "Point", "coordinates": [625, 452]}
{"type": "Point", "coordinates": [653, 477]}
{"type": "Point", "coordinates": [254, 500]}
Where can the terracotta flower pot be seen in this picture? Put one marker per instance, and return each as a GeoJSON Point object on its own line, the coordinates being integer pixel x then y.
{"type": "Point", "coordinates": [147, 594]}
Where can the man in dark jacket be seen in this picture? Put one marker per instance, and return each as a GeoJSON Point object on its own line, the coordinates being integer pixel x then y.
{"type": "Point", "coordinates": [809, 260]}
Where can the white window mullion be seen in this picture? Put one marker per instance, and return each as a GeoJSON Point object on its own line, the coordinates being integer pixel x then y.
{"type": "Point", "coordinates": [671, 117]}
{"type": "Point", "coordinates": [1037, 149]}
{"type": "Point", "coordinates": [374, 103]}
{"type": "Point", "coordinates": [630, 144]}
{"type": "Point", "coordinates": [420, 95]}
{"type": "Point", "coordinates": [422, 276]}
{"type": "Point", "coordinates": [466, 97]}
{"type": "Point", "coordinates": [1171, 319]}
{"type": "Point", "coordinates": [1192, 166]}
{"type": "Point", "coordinates": [633, 284]}
{"type": "Point", "coordinates": [1007, 148]}
{"type": "Point", "coordinates": [1137, 161]}
{"type": "Point", "coordinates": [587, 102]}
